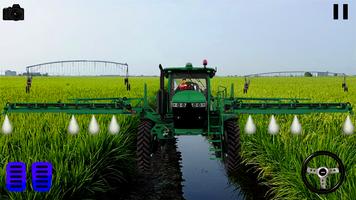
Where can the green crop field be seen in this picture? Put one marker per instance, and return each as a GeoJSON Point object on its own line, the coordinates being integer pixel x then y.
{"type": "Point", "coordinates": [86, 164]}
{"type": "Point", "coordinates": [280, 157]}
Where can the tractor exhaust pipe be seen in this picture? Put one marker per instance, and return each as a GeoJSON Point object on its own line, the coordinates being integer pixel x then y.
{"type": "Point", "coordinates": [161, 81]}
{"type": "Point", "coordinates": [161, 94]}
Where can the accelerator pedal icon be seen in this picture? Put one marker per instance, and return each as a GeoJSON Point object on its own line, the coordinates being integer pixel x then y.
{"type": "Point", "coordinates": [16, 177]}
{"type": "Point", "coordinates": [41, 176]}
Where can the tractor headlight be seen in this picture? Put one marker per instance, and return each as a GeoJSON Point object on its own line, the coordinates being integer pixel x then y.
{"type": "Point", "coordinates": [182, 105]}
{"type": "Point", "coordinates": [198, 105]}
{"type": "Point", "coordinates": [179, 105]}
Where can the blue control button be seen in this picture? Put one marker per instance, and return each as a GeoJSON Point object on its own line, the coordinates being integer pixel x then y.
{"type": "Point", "coordinates": [42, 176]}
{"type": "Point", "coordinates": [16, 176]}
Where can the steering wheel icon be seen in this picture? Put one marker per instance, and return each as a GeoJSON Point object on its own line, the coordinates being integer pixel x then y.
{"type": "Point", "coordinates": [323, 173]}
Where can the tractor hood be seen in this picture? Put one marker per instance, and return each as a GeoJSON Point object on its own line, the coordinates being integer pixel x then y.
{"type": "Point", "coordinates": [189, 96]}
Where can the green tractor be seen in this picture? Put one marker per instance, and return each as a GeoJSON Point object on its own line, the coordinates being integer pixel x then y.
{"type": "Point", "coordinates": [185, 106]}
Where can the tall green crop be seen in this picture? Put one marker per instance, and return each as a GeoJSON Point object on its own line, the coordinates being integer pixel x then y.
{"type": "Point", "coordinates": [83, 163]}
{"type": "Point", "coordinates": [280, 157]}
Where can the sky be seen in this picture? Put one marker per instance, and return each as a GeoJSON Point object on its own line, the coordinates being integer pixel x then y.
{"type": "Point", "coordinates": [238, 37]}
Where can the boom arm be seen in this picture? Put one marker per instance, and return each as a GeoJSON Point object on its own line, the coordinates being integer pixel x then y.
{"type": "Point", "coordinates": [85, 106]}
{"type": "Point", "coordinates": [117, 107]}
{"type": "Point", "coordinates": [282, 106]}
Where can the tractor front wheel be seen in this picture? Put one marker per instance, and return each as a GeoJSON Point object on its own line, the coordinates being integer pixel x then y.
{"type": "Point", "coordinates": [232, 145]}
{"type": "Point", "coordinates": [143, 150]}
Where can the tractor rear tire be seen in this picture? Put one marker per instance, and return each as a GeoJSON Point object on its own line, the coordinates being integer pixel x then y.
{"type": "Point", "coordinates": [232, 143]}
{"type": "Point", "coordinates": [143, 150]}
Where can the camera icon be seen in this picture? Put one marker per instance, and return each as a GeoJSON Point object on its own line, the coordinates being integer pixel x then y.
{"type": "Point", "coordinates": [14, 13]}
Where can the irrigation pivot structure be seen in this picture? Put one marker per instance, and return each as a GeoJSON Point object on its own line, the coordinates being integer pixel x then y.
{"type": "Point", "coordinates": [186, 106]}
{"type": "Point", "coordinates": [295, 74]}
{"type": "Point", "coordinates": [71, 68]}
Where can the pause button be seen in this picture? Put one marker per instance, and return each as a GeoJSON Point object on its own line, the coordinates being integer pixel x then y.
{"type": "Point", "coordinates": [42, 176]}
{"type": "Point", "coordinates": [16, 176]}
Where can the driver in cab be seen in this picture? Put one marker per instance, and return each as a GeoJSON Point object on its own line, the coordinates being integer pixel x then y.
{"type": "Point", "coordinates": [184, 85]}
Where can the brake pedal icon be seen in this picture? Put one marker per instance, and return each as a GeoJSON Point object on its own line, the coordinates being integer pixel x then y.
{"type": "Point", "coordinates": [41, 176]}
{"type": "Point", "coordinates": [16, 177]}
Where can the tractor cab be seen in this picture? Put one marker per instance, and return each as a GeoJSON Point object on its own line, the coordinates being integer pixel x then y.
{"type": "Point", "coordinates": [187, 95]}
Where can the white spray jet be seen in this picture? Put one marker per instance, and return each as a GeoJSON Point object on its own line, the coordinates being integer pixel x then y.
{"type": "Point", "coordinates": [6, 126]}
{"type": "Point", "coordinates": [73, 127]}
{"type": "Point", "coordinates": [296, 127]}
{"type": "Point", "coordinates": [93, 126]}
{"type": "Point", "coordinates": [250, 127]}
{"type": "Point", "coordinates": [114, 127]}
{"type": "Point", "coordinates": [273, 127]}
{"type": "Point", "coordinates": [348, 128]}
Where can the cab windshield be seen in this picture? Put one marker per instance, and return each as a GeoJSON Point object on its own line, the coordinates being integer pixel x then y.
{"type": "Point", "coordinates": [195, 82]}
{"type": "Point", "coordinates": [190, 84]}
